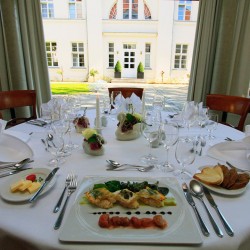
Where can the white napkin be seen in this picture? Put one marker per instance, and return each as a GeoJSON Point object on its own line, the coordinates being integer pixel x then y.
{"type": "Point", "coordinates": [2, 125]}
{"type": "Point", "coordinates": [234, 152]}
{"type": "Point", "coordinates": [135, 101]}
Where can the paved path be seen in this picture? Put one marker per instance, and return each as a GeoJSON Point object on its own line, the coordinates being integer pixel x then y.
{"type": "Point", "coordinates": [175, 94]}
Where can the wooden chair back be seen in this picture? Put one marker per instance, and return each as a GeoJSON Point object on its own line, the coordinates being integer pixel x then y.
{"type": "Point", "coordinates": [229, 104]}
{"type": "Point", "coordinates": [11, 100]}
{"type": "Point", "coordinates": [127, 91]}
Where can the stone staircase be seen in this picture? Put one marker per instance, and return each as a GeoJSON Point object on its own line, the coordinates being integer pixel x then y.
{"type": "Point", "coordinates": [128, 80]}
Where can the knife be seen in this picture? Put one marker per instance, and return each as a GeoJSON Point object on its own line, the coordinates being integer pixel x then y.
{"type": "Point", "coordinates": [46, 182]}
{"type": "Point", "coordinates": [191, 202]}
{"type": "Point", "coordinates": [13, 172]}
{"type": "Point", "coordinates": [226, 225]}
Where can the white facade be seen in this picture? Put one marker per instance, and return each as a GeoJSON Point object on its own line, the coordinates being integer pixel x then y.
{"type": "Point", "coordinates": [128, 38]}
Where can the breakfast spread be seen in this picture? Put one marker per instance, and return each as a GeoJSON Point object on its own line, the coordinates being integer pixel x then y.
{"type": "Point", "coordinates": [222, 176]}
{"type": "Point", "coordinates": [128, 195]}
{"type": "Point", "coordinates": [30, 184]}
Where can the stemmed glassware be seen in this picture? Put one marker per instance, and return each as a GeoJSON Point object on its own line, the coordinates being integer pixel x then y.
{"type": "Point", "coordinates": [185, 155]}
{"type": "Point", "coordinates": [150, 130]}
{"type": "Point", "coordinates": [169, 138]}
{"type": "Point", "coordinates": [189, 113]}
{"type": "Point", "coordinates": [211, 125]}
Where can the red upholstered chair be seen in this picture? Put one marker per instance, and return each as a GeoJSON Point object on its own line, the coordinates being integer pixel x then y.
{"type": "Point", "coordinates": [229, 104]}
{"type": "Point", "coordinates": [15, 99]}
{"type": "Point", "coordinates": [127, 92]}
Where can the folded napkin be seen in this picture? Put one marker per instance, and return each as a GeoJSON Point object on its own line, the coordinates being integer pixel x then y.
{"type": "Point", "coordinates": [135, 101]}
{"type": "Point", "coordinates": [234, 152]}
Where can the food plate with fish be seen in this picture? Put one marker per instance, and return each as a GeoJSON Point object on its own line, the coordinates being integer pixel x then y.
{"type": "Point", "coordinates": [84, 222]}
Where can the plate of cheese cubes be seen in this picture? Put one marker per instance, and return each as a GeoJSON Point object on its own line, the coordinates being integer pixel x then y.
{"type": "Point", "coordinates": [22, 186]}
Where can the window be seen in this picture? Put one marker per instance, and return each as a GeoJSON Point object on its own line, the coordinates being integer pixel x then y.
{"type": "Point", "coordinates": [75, 9]}
{"type": "Point", "coordinates": [47, 8]}
{"type": "Point", "coordinates": [111, 55]}
{"type": "Point", "coordinates": [113, 12]}
{"type": "Point", "coordinates": [51, 49]}
{"type": "Point", "coordinates": [147, 55]}
{"type": "Point", "coordinates": [184, 10]}
{"type": "Point", "coordinates": [78, 54]}
{"type": "Point", "coordinates": [180, 60]}
{"type": "Point", "coordinates": [147, 13]}
{"type": "Point", "coordinates": [130, 9]}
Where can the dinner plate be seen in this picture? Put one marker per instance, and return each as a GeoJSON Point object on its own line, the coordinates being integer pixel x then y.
{"type": "Point", "coordinates": [19, 196]}
{"type": "Point", "coordinates": [12, 149]}
{"type": "Point", "coordinates": [81, 225]}
{"type": "Point", "coordinates": [18, 134]}
{"type": "Point", "coordinates": [221, 190]}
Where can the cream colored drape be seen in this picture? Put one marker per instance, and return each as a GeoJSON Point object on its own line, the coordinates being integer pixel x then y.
{"type": "Point", "coordinates": [221, 59]}
{"type": "Point", "coordinates": [22, 48]}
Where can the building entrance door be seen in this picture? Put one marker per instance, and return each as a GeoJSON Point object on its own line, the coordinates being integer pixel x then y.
{"type": "Point", "coordinates": [129, 69]}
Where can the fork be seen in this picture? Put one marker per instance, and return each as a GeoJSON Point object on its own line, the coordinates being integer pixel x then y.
{"type": "Point", "coordinates": [71, 189]}
{"type": "Point", "coordinates": [67, 182]}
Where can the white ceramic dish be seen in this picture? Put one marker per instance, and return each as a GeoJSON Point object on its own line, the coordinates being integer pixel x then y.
{"type": "Point", "coordinates": [21, 197]}
{"type": "Point", "coordinates": [223, 191]}
{"type": "Point", "coordinates": [81, 225]}
{"type": "Point", "coordinates": [12, 149]}
{"type": "Point", "coordinates": [18, 134]}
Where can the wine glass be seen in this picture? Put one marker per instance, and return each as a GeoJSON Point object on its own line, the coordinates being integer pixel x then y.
{"type": "Point", "coordinates": [169, 138]}
{"type": "Point", "coordinates": [55, 147]}
{"type": "Point", "coordinates": [211, 125]}
{"type": "Point", "coordinates": [189, 113]}
{"type": "Point", "coordinates": [150, 130]}
{"type": "Point", "coordinates": [116, 100]}
{"type": "Point", "coordinates": [185, 155]}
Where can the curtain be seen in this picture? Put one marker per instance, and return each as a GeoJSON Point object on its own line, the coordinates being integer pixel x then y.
{"type": "Point", "coordinates": [22, 48]}
{"type": "Point", "coordinates": [221, 55]}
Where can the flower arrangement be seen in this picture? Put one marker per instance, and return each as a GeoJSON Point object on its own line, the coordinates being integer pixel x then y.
{"type": "Point", "coordinates": [130, 120]}
{"type": "Point", "coordinates": [94, 140]}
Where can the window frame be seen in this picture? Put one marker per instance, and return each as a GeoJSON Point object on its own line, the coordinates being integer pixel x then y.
{"type": "Point", "coordinates": [48, 11]}
{"type": "Point", "coordinates": [184, 6]}
{"type": "Point", "coordinates": [111, 55]}
{"type": "Point", "coordinates": [77, 9]}
{"type": "Point", "coordinates": [51, 54]}
{"type": "Point", "coordinates": [180, 57]}
{"type": "Point", "coordinates": [78, 57]}
{"type": "Point", "coordinates": [147, 56]}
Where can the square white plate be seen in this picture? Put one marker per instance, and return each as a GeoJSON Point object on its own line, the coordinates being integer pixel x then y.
{"type": "Point", "coordinates": [81, 225]}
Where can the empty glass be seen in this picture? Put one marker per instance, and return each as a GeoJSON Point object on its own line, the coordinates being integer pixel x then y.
{"type": "Point", "coordinates": [169, 138]}
{"type": "Point", "coordinates": [185, 155]}
{"type": "Point", "coordinates": [211, 125]}
{"type": "Point", "coordinates": [150, 131]}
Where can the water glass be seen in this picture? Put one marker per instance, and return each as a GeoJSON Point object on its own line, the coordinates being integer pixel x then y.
{"type": "Point", "coordinates": [211, 125]}
{"type": "Point", "coordinates": [185, 155]}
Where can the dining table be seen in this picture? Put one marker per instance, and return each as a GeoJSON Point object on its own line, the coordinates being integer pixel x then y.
{"type": "Point", "coordinates": [30, 226]}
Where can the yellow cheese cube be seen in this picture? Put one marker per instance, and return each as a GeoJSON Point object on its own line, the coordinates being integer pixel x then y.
{"type": "Point", "coordinates": [25, 185]}
{"type": "Point", "coordinates": [34, 187]}
{"type": "Point", "coordinates": [15, 186]}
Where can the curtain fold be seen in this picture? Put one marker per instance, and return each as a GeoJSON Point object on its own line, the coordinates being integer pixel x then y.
{"type": "Point", "coordinates": [23, 56]}
{"type": "Point", "coordinates": [221, 56]}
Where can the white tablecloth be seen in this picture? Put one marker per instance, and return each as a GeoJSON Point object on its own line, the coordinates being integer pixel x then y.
{"type": "Point", "coordinates": [26, 226]}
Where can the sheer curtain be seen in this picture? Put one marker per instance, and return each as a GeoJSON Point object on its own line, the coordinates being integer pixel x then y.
{"type": "Point", "coordinates": [22, 48]}
{"type": "Point", "coordinates": [221, 56]}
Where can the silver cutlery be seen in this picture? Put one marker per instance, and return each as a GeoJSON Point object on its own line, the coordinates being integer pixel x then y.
{"type": "Point", "coordinates": [116, 164]}
{"type": "Point", "coordinates": [16, 165]}
{"type": "Point", "coordinates": [71, 189]}
{"type": "Point", "coordinates": [226, 225]}
{"type": "Point", "coordinates": [238, 169]}
{"type": "Point", "coordinates": [67, 182]}
{"type": "Point", "coordinates": [45, 183]}
{"type": "Point", "coordinates": [203, 144]}
{"type": "Point", "coordinates": [228, 139]}
{"type": "Point", "coordinates": [13, 172]}
{"type": "Point", "coordinates": [191, 202]}
{"type": "Point", "coordinates": [141, 169]}
{"type": "Point", "coordinates": [197, 191]}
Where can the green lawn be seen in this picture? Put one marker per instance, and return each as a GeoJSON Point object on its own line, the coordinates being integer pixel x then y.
{"type": "Point", "coordinates": [69, 88]}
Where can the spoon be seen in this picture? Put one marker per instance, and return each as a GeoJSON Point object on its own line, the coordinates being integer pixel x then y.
{"type": "Point", "coordinates": [18, 165]}
{"type": "Point", "coordinates": [141, 169]}
{"type": "Point", "coordinates": [50, 138]}
{"type": "Point", "coordinates": [116, 164]}
{"type": "Point", "coordinates": [197, 190]}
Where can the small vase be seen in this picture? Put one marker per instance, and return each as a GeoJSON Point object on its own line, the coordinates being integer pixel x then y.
{"type": "Point", "coordinates": [89, 151]}
{"type": "Point", "coordinates": [130, 134]}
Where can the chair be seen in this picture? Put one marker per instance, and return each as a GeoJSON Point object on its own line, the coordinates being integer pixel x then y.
{"type": "Point", "coordinates": [127, 92]}
{"type": "Point", "coordinates": [229, 104]}
{"type": "Point", "coordinates": [14, 100]}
